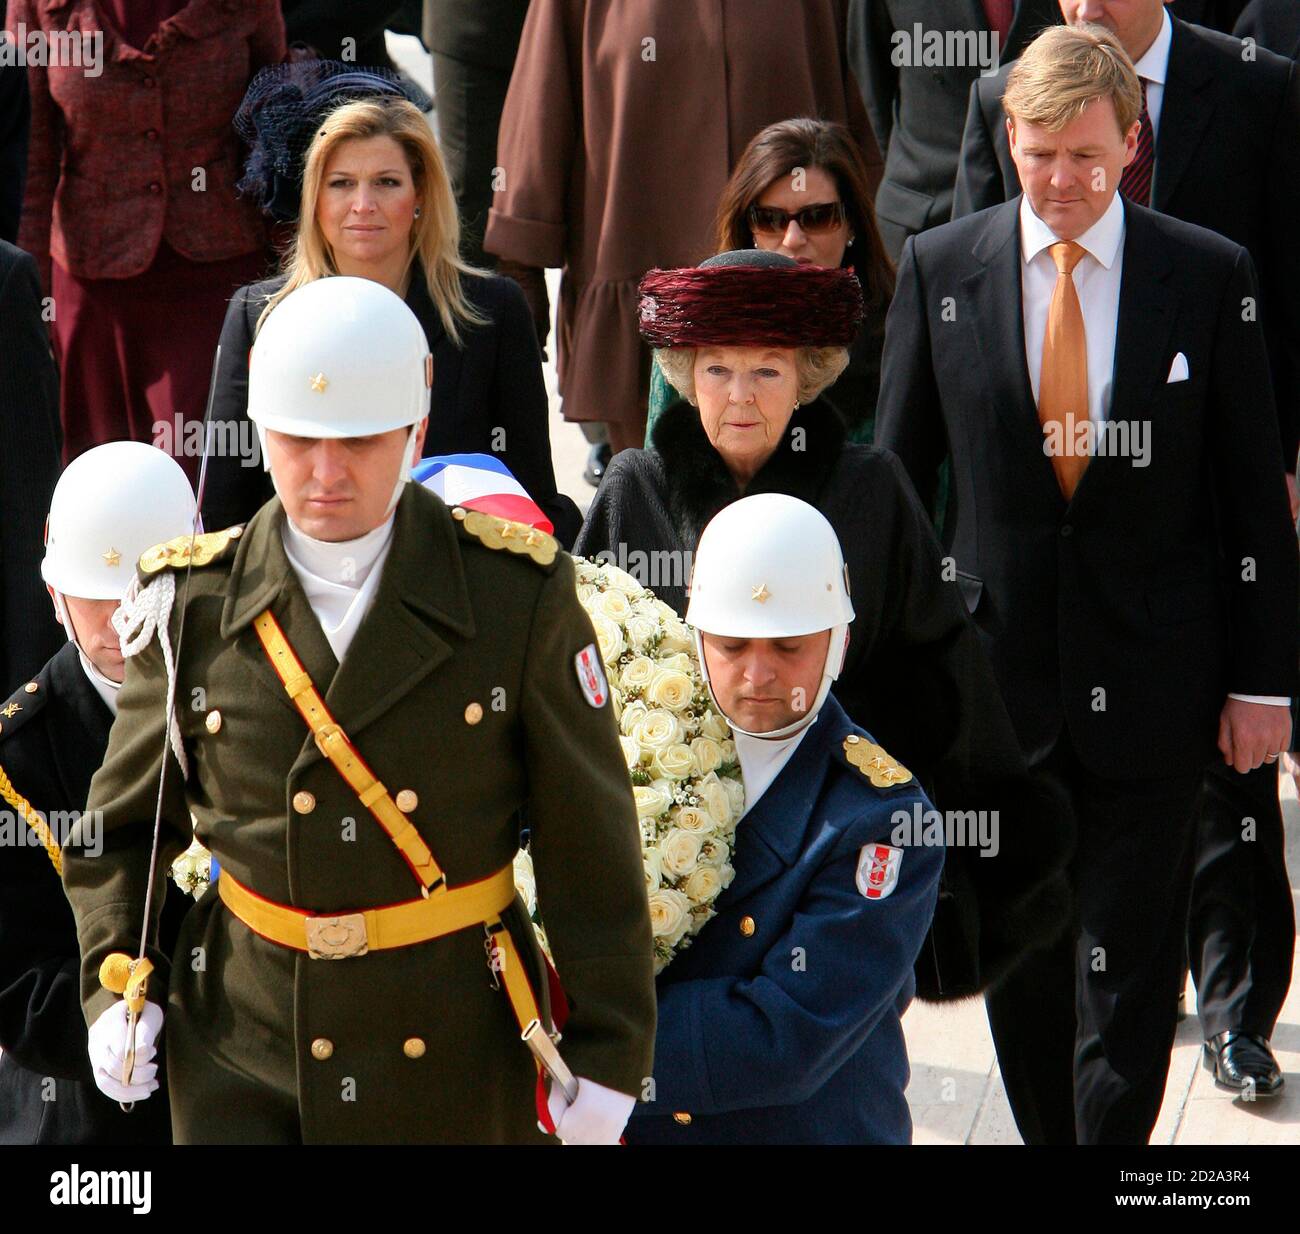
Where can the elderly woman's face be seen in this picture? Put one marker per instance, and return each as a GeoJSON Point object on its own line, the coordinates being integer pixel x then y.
{"type": "Point", "coordinates": [746, 396]}
{"type": "Point", "coordinates": [822, 246]}
{"type": "Point", "coordinates": [367, 201]}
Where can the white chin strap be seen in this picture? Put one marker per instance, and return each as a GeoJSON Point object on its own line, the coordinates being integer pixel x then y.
{"type": "Point", "coordinates": [835, 653]}
{"type": "Point", "coordinates": [71, 632]}
{"type": "Point", "coordinates": [403, 475]}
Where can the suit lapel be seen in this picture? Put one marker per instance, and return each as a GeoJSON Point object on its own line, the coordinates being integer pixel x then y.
{"type": "Point", "coordinates": [1147, 310]}
{"type": "Point", "coordinates": [997, 325]}
{"type": "Point", "coordinates": [1184, 114]}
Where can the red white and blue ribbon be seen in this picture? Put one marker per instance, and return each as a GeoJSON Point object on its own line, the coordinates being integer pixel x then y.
{"type": "Point", "coordinates": [480, 482]}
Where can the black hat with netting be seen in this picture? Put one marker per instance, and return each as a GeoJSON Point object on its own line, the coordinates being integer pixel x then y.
{"type": "Point", "coordinates": [284, 106]}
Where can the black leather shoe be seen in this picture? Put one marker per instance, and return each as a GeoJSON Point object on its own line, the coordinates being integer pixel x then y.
{"type": "Point", "coordinates": [597, 461]}
{"type": "Point", "coordinates": [1241, 1061]}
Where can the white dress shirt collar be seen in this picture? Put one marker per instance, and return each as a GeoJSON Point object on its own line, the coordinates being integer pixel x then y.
{"type": "Point", "coordinates": [1102, 240]}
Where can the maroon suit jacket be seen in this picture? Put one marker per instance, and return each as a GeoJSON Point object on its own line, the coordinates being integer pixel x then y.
{"type": "Point", "coordinates": [114, 159]}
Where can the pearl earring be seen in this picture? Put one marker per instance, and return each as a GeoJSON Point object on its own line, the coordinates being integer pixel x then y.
{"type": "Point", "coordinates": [417, 215]}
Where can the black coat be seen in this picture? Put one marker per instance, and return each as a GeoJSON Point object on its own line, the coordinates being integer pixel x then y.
{"type": "Point", "coordinates": [917, 110]}
{"type": "Point", "coordinates": [1227, 158]}
{"type": "Point", "coordinates": [1274, 24]}
{"type": "Point", "coordinates": [1137, 586]}
{"type": "Point", "coordinates": [915, 675]}
{"type": "Point", "coordinates": [15, 118]}
{"type": "Point", "coordinates": [51, 743]}
{"type": "Point", "coordinates": [30, 441]}
{"type": "Point", "coordinates": [493, 382]}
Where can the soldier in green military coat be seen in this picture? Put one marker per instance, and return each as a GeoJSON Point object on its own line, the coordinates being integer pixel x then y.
{"type": "Point", "coordinates": [448, 649]}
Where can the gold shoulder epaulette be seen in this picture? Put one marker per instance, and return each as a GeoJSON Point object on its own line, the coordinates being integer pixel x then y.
{"type": "Point", "coordinates": [501, 533]}
{"type": "Point", "coordinates": [872, 761]}
{"type": "Point", "coordinates": [176, 554]}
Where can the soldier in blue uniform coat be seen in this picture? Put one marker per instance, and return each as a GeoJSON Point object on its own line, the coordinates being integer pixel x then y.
{"type": "Point", "coordinates": [781, 1023]}
{"type": "Point", "coordinates": [109, 505]}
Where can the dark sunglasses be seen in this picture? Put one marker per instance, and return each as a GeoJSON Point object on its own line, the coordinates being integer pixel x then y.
{"type": "Point", "coordinates": [825, 216]}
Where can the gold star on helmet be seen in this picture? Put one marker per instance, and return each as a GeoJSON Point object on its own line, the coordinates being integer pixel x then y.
{"type": "Point", "coordinates": [112, 557]}
{"type": "Point", "coordinates": [319, 382]}
{"type": "Point", "coordinates": [760, 593]}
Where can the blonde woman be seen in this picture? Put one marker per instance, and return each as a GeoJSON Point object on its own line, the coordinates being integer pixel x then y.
{"type": "Point", "coordinates": [377, 204]}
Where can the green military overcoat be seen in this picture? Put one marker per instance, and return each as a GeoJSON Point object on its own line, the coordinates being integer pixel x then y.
{"type": "Point", "coordinates": [265, 1044]}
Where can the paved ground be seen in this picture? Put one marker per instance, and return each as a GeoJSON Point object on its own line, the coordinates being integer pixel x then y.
{"type": "Point", "coordinates": [956, 1093]}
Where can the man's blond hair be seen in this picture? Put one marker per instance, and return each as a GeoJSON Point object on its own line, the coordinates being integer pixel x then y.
{"type": "Point", "coordinates": [1063, 70]}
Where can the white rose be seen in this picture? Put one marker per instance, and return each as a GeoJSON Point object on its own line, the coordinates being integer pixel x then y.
{"type": "Point", "coordinates": [526, 881]}
{"type": "Point", "coordinates": [673, 763]}
{"type": "Point", "coordinates": [613, 604]}
{"type": "Point", "coordinates": [714, 726]}
{"type": "Point", "coordinates": [728, 751]}
{"type": "Point", "coordinates": [707, 754]}
{"type": "Point", "coordinates": [623, 581]}
{"type": "Point", "coordinates": [681, 851]}
{"type": "Point", "coordinates": [735, 795]}
{"type": "Point", "coordinates": [691, 818]}
{"type": "Point", "coordinates": [640, 630]}
{"type": "Point", "coordinates": [653, 866]}
{"type": "Point", "coordinates": [678, 660]}
{"type": "Point", "coordinates": [728, 873]}
{"type": "Point", "coordinates": [585, 592]}
{"type": "Point", "coordinates": [632, 715]}
{"type": "Point", "coordinates": [670, 915]}
{"type": "Point", "coordinates": [651, 799]}
{"type": "Point", "coordinates": [677, 635]}
{"type": "Point", "coordinates": [671, 688]}
{"type": "Point", "coordinates": [715, 799]}
{"type": "Point", "coordinates": [631, 751]}
{"type": "Point", "coordinates": [609, 638]}
{"type": "Point", "coordinates": [703, 885]}
{"type": "Point", "coordinates": [714, 852]}
{"type": "Point", "coordinates": [637, 673]}
{"type": "Point", "coordinates": [657, 730]}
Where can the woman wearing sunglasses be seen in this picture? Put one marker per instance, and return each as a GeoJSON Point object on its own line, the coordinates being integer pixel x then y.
{"type": "Point", "coordinates": [801, 189]}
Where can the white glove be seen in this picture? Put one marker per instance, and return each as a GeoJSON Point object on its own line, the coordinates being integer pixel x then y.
{"type": "Point", "coordinates": [107, 1048]}
{"type": "Point", "coordinates": [597, 1116]}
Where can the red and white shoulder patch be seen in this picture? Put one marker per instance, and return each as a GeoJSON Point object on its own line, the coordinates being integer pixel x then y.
{"type": "Point", "coordinates": [591, 675]}
{"type": "Point", "coordinates": [878, 867]}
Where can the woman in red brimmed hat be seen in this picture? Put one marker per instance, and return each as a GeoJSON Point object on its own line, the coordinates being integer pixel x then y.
{"type": "Point", "coordinates": [752, 339]}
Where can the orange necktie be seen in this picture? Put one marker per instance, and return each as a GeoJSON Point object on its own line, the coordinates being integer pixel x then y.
{"type": "Point", "coordinates": [1063, 381]}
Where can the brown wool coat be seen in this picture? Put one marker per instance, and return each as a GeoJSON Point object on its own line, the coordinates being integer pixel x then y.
{"type": "Point", "coordinates": [613, 162]}
{"type": "Point", "coordinates": [452, 623]}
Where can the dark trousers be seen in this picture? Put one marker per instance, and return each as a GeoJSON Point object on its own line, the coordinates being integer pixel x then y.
{"type": "Point", "coordinates": [1241, 927]}
{"type": "Point", "coordinates": [1083, 1029]}
{"type": "Point", "coordinates": [469, 100]}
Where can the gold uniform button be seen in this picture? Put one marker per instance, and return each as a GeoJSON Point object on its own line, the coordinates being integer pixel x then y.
{"type": "Point", "coordinates": [473, 713]}
{"type": "Point", "coordinates": [213, 721]}
{"type": "Point", "coordinates": [322, 1048]}
{"type": "Point", "coordinates": [304, 802]}
{"type": "Point", "coordinates": [747, 926]}
{"type": "Point", "coordinates": [413, 1047]}
{"type": "Point", "coordinates": [407, 801]}
{"type": "Point", "coordinates": [31, 687]}
{"type": "Point", "coordinates": [682, 1117]}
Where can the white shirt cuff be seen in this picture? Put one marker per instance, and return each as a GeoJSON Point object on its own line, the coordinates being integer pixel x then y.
{"type": "Point", "coordinates": [1271, 700]}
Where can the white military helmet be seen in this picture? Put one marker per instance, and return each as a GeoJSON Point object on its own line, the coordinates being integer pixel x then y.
{"type": "Point", "coordinates": [339, 357]}
{"type": "Point", "coordinates": [110, 504]}
{"type": "Point", "coordinates": [770, 566]}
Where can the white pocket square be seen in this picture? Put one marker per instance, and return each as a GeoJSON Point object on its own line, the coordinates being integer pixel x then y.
{"type": "Point", "coordinates": [1178, 369]}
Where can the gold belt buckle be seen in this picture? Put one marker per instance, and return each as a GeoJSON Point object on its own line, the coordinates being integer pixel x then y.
{"type": "Point", "coordinates": [337, 938]}
{"type": "Point", "coordinates": [323, 734]}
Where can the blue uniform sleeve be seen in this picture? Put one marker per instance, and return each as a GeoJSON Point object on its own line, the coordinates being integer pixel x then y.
{"type": "Point", "coordinates": [728, 1044]}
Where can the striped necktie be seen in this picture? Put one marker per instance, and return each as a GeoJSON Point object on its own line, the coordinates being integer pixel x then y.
{"type": "Point", "coordinates": [1135, 183]}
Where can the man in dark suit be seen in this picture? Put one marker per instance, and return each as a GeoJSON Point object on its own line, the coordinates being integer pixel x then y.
{"type": "Point", "coordinates": [1274, 24]}
{"type": "Point", "coordinates": [1221, 137]}
{"type": "Point", "coordinates": [1119, 511]}
{"type": "Point", "coordinates": [917, 101]}
{"type": "Point", "coordinates": [30, 443]}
